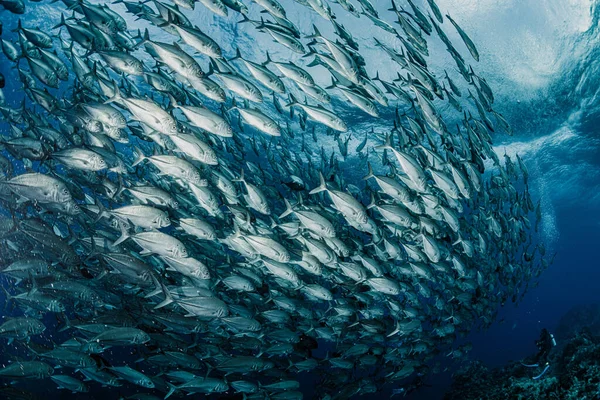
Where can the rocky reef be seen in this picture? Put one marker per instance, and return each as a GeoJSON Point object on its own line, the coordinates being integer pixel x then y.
{"type": "Point", "coordinates": [573, 372]}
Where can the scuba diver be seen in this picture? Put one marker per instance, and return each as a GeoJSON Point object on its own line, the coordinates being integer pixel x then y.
{"type": "Point", "coordinates": [544, 344]}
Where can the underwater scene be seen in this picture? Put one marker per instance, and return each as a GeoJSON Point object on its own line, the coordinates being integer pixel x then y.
{"type": "Point", "coordinates": [300, 199]}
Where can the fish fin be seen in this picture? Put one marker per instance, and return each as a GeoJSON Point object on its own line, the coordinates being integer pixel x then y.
{"type": "Point", "coordinates": [315, 34]}
{"type": "Point", "coordinates": [168, 298]}
{"type": "Point", "coordinates": [158, 289]}
{"type": "Point", "coordinates": [172, 389]}
{"type": "Point", "coordinates": [373, 202]}
{"type": "Point", "coordinates": [101, 211]}
{"type": "Point", "coordinates": [370, 173]}
{"type": "Point", "coordinates": [387, 145]}
{"type": "Point", "coordinates": [67, 323]}
{"type": "Point", "coordinates": [333, 83]}
{"type": "Point", "coordinates": [292, 100]}
{"type": "Point", "coordinates": [322, 186]}
{"type": "Point", "coordinates": [18, 28]}
{"type": "Point", "coordinates": [288, 209]}
{"type": "Point", "coordinates": [34, 285]}
{"type": "Point", "coordinates": [241, 178]}
{"type": "Point", "coordinates": [140, 156]}
{"type": "Point", "coordinates": [116, 96]}
{"type": "Point", "coordinates": [173, 102]}
{"type": "Point", "coordinates": [315, 62]}
{"type": "Point", "coordinates": [395, 331]}
{"type": "Point", "coordinates": [62, 22]}
{"type": "Point", "coordinates": [244, 19]}
{"type": "Point", "coordinates": [238, 55]}
{"type": "Point", "coordinates": [124, 235]}
{"type": "Point", "coordinates": [145, 38]}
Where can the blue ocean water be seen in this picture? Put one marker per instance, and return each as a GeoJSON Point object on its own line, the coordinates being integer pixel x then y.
{"type": "Point", "coordinates": [540, 57]}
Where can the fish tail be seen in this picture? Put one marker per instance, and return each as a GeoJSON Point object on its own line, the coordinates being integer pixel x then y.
{"type": "Point", "coordinates": [315, 62]}
{"type": "Point", "coordinates": [315, 34]}
{"type": "Point", "coordinates": [145, 38]}
{"type": "Point", "coordinates": [121, 188]}
{"type": "Point", "coordinates": [322, 186]}
{"type": "Point", "coordinates": [62, 22]}
{"type": "Point", "coordinates": [156, 291]}
{"type": "Point", "coordinates": [172, 389]}
{"type": "Point", "coordinates": [241, 178]}
{"type": "Point", "coordinates": [19, 26]}
{"type": "Point", "coordinates": [387, 144]}
{"type": "Point", "coordinates": [373, 202]}
{"type": "Point", "coordinates": [101, 211]}
{"type": "Point", "coordinates": [395, 331]}
{"type": "Point", "coordinates": [292, 101]}
{"type": "Point", "coordinates": [333, 83]}
{"type": "Point", "coordinates": [124, 235]}
{"type": "Point", "coordinates": [244, 19]}
{"type": "Point", "coordinates": [139, 156]}
{"type": "Point", "coordinates": [238, 55]}
{"type": "Point", "coordinates": [290, 364]}
{"type": "Point", "coordinates": [116, 94]}
{"type": "Point", "coordinates": [173, 102]}
{"type": "Point", "coordinates": [288, 209]}
{"type": "Point", "coordinates": [370, 173]}
{"type": "Point", "coordinates": [311, 50]}
{"type": "Point", "coordinates": [9, 296]}
{"type": "Point", "coordinates": [168, 298]}
{"type": "Point", "coordinates": [268, 60]}
{"type": "Point", "coordinates": [34, 284]}
{"type": "Point", "coordinates": [67, 323]}
{"type": "Point", "coordinates": [212, 67]}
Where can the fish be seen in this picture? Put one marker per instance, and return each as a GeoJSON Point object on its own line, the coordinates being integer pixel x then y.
{"type": "Point", "coordinates": [70, 383]}
{"type": "Point", "coordinates": [27, 369]}
{"type": "Point", "coordinates": [147, 112]}
{"type": "Point", "coordinates": [201, 214]}
{"type": "Point", "coordinates": [321, 115]}
{"type": "Point", "coordinates": [262, 74]}
{"type": "Point", "coordinates": [21, 328]}
{"type": "Point", "coordinates": [466, 39]}
{"type": "Point", "coordinates": [195, 38]}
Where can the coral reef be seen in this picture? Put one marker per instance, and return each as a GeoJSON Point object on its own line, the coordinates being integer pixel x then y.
{"type": "Point", "coordinates": [579, 317]}
{"type": "Point", "coordinates": [573, 373]}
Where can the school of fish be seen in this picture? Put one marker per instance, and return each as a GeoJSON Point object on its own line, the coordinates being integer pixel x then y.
{"type": "Point", "coordinates": [202, 211]}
